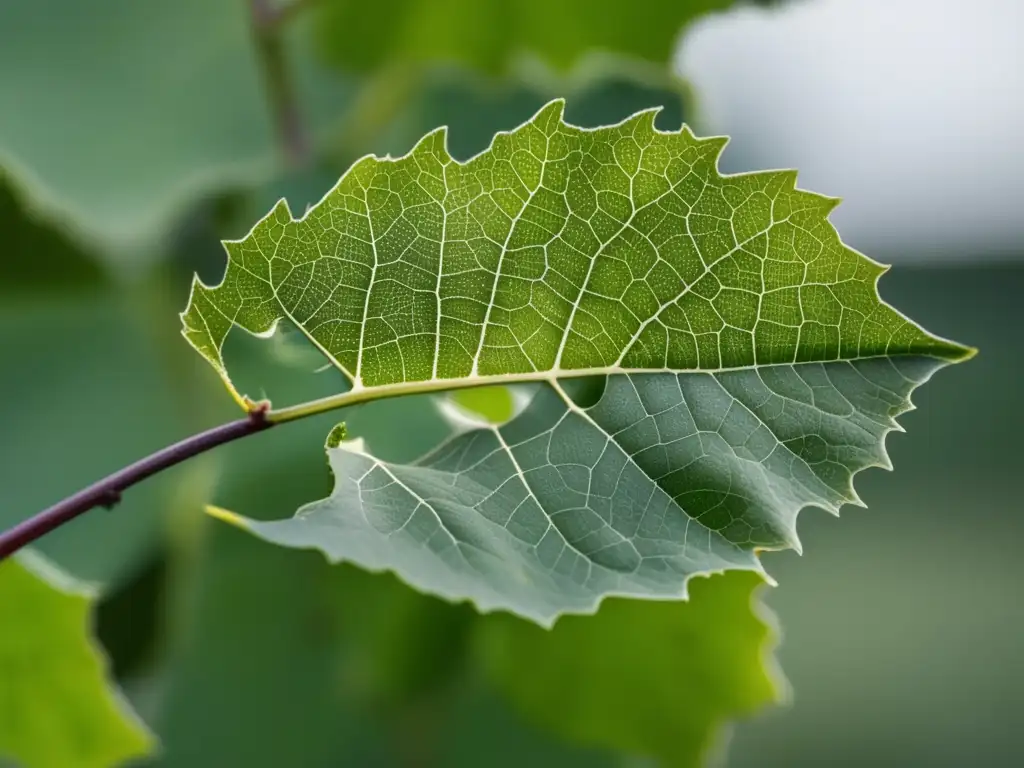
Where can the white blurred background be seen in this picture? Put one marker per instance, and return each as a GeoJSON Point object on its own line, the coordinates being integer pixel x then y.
{"type": "Point", "coordinates": [910, 110]}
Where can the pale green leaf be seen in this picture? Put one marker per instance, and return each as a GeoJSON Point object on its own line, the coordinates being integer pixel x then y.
{"type": "Point", "coordinates": [657, 679]}
{"type": "Point", "coordinates": [492, 37]}
{"type": "Point", "coordinates": [711, 358]}
{"type": "Point", "coordinates": [57, 708]}
{"type": "Point", "coordinates": [495, 404]}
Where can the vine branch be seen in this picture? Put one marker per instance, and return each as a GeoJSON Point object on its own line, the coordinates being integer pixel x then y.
{"type": "Point", "coordinates": [107, 492]}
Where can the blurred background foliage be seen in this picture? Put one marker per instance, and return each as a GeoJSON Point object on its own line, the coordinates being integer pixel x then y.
{"type": "Point", "coordinates": [135, 135]}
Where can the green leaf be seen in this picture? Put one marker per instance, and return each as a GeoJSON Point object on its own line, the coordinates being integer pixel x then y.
{"type": "Point", "coordinates": [57, 710]}
{"type": "Point", "coordinates": [494, 404]}
{"type": "Point", "coordinates": [118, 114]}
{"type": "Point", "coordinates": [494, 36]}
{"type": "Point", "coordinates": [711, 359]}
{"type": "Point", "coordinates": [658, 679]}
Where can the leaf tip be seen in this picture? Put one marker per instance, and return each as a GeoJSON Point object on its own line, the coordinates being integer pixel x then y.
{"type": "Point", "coordinates": [795, 544]}
{"type": "Point", "coordinates": [714, 146]}
{"type": "Point", "coordinates": [436, 140]}
{"type": "Point", "coordinates": [552, 112]}
{"type": "Point", "coordinates": [281, 212]}
{"type": "Point", "coordinates": [645, 118]}
{"type": "Point", "coordinates": [959, 353]}
{"type": "Point", "coordinates": [853, 499]}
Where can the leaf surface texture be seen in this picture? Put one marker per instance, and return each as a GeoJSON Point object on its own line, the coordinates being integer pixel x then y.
{"type": "Point", "coordinates": [711, 359]}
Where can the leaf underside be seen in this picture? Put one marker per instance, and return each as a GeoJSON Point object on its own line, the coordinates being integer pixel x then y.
{"type": "Point", "coordinates": [710, 358]}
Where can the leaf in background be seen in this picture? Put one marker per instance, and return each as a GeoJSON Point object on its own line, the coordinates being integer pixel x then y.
{"type": "Point", "coordinates": [287, 661]}
{"type": "Point", "coordinates": [483, 728]}
{"type": "Point", "coordinates": [57, 709]}
{"type": "Point", "coordinates": [492, 37]}
{"type": "Point", "coordinates": [658, 679]}
{"type": "Point", "coordinates": [72, 370]}
{"type": "Point", "coordinates": [116, 114]}
{"type": "Point", "coordinates": [712, 359]}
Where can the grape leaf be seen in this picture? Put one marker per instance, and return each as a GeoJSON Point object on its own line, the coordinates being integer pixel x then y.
{"type": "Point", "coordinates": [710, 357]}
{"type": "Point", "coordinates": [56, 707]}
{"type": "Point", "coordinates": [659, 679]}
{"type": "Point", "coordinates": [490, 36]}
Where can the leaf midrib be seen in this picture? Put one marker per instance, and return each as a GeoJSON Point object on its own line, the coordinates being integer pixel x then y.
{"type": "Point", "coordinates": [363, 394]}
